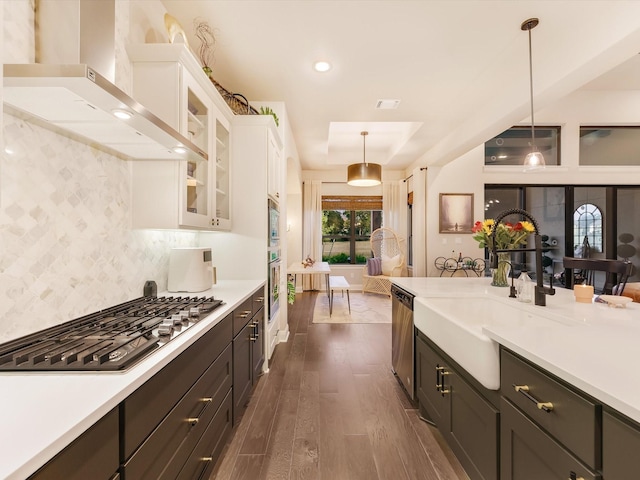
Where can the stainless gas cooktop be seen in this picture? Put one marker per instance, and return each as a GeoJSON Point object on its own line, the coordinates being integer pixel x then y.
{"type": "Point", "coordinates": [113, 339]}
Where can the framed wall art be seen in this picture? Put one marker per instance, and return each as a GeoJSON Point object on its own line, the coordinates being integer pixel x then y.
{"type": "Point", "coordinates": [456, 212]}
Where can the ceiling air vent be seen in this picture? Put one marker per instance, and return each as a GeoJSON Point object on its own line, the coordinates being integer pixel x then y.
{"type": "Point", "coordinates": [387, 104]}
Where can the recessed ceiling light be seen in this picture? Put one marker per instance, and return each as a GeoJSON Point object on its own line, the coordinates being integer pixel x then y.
{"type": "Point", "coordinates": [388, 104]}
{"type": "Point", "coordinates": [121, 114]}
{"type": "Point", "coordinates": [322, 66]}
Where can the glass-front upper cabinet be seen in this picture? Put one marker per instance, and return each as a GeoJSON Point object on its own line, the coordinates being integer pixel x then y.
{"type": "Point", "coordinates": [222, 205]}
{"type": "Point", "coordinates": [197, 115]}
{"type": "Point", "coordinates": [193, 193]}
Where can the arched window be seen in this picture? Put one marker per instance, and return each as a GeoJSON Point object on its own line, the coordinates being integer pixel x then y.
{"type": "Point", "coordinates": [587, 230]}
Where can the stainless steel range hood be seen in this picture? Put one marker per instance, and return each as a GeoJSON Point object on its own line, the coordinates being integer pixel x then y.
{"type": "Point", "coordinates": [79, 101]}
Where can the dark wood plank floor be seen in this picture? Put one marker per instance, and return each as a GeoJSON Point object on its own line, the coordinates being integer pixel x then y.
{"type": "Point", "coordinates": [330, 408]}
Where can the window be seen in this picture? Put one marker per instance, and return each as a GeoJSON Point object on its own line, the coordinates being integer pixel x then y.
{"type": "Point", "coordinates": [587, 230]}
{"type": "Point", "coordinates": [347, 223]}
{"type": "Point", "coordinates": [511, 146]}
{"type": "Point", "coordinates": [609, 146]}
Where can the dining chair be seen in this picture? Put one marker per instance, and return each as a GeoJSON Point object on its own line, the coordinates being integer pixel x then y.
{"type": "Point", "coordinates": [616, 272]}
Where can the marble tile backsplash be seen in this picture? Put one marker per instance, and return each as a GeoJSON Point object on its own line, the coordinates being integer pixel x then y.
{"type": "Point", "coordinates": [66, 243]}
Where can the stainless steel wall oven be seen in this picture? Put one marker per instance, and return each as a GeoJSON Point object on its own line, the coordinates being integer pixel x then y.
{"type": "Point", "coordinates": [273, 260]}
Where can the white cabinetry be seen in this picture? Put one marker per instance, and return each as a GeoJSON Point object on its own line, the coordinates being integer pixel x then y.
{"type": "Point", "coordinates": [168, 80]}
{"type": "Point", "coordinates": [274, 165]}
{"type": "Point", "coordinates": [255, 138]}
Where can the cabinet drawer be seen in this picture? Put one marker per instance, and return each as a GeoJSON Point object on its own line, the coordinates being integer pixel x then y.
{"type": "Point", "coordinates": [529, 453]}
{"type": "Point", "coordinates": [203, 459]}
{"type": "Point", "coordinates": [163, 454]}
{"type": "Point", "coordinates": [93, 455]}
{"type": "Point", "coordinates": [571, 418]}
{"type": "Point", "coordinates": [620, 447]}
{"type": "Point", "coordinates": [258, 299]}
{"type": "Point", "coordinates": [144, 409]}
{"type": "Point", "coordinates": [242, 315]}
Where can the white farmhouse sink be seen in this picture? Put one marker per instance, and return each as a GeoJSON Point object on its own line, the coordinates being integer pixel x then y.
{"type": "Point", "coordinates": [455, 325]}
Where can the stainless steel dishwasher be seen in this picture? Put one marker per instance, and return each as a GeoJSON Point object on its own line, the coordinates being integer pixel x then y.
{"type": "Point", "coordinates": [402, 338]}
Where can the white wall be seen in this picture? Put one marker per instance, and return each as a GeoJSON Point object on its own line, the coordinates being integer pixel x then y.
{"type": "Point", "coordinates": [467, 174]}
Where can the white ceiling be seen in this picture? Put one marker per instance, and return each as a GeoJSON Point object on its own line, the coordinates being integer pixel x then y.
{"type": "Point", "coordinates": [459, 67]}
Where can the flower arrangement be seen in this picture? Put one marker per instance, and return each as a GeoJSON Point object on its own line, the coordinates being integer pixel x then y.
{"type": "Point", "coordinates": [508, 235]}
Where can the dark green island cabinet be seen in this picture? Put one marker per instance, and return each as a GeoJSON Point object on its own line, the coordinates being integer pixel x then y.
{"type": "Point", "coordinates": [537, 427]}
{"type": "Point", "coordinates": [176, 424]}
{"type": "Point", "coordinates": [466, 413]}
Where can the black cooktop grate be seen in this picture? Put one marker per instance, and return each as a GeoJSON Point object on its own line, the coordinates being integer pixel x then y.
{"type": "Point", "coordinates": [109, 340]}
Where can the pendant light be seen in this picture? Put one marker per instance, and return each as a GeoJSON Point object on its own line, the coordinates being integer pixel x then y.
{"type": "Point", "coordinates": [534, 159]}
{"type": "Point", "coordinates": [364, 174]}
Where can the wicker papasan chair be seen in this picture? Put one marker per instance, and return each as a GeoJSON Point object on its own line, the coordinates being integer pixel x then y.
{"type": "Point", "coordinates": [388, 261]}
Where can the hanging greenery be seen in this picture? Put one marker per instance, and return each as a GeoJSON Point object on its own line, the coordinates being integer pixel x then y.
{"type": "Point", "coordinates": [268, 111]}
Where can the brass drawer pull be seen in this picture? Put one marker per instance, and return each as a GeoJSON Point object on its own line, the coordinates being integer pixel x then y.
{"type": "Point", "coordinates": [244, 315]}
{"type": "Point", "coordinates": [524, 390]}
{"type": "Point", "coordinates": [260, 299]}
{"type": "Point", "coordinates": [440, 373]}
{"type": "Point", "coordinates": [206, 399]}
{"type": "Point", "coordinates": [572, 476]}
{"type": "Point", "coordinates": [193, 421]}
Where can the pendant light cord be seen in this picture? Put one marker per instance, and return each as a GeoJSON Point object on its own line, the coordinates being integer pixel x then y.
{"type": "Point", "coordinates": [364, 147]}
{"type": "Point", "coordinates": [533, 134]}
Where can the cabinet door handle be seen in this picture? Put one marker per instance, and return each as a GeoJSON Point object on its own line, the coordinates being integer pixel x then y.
{"type": "Point", "coordinates": [524, 390]}
{"type": "Point", "coordinates": [206, 461]}
{"type": "Point", "coordinates": [438, 378]}
{"type": "Point", "coordinates": [440, 373]}
{"type": "Point", "coordinates": [572, 476]}
{"type": "Point", "coordinates": [546, 406]}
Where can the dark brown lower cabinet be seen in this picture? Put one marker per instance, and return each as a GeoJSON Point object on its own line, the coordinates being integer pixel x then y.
{"type": "Point", "coordinates": [248, 351]}
{"type": "Point", "coordinates": [92, 455]}
{"type": "Point", "coordinates": [620, 447]}
{"type": "Point", "coordinates": [242, 371]}
{"type": "Point", "coordinates": [203, 458]}
{"type": "Point", "coordinates": [465, 417]}
{"type": "Point", "coordinates": [164, 419]}
{"type": "Point", "coordinates": [529, 453]}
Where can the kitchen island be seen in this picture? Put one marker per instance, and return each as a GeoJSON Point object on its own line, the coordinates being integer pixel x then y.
{"type": "Point", "coordinates": [46, 411]}
{"type": "Point", "coordinates": [585, 352]}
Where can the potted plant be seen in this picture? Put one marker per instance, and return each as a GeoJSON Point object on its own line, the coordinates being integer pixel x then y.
{"type": "Point", "coordinates": [291, 292]}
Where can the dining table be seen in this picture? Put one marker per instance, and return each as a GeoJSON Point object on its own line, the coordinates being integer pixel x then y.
{"type": "Point", "coordinates": [318, 268]}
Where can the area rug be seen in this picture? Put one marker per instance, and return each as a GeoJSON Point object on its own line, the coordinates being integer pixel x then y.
{"type": "Point", "coordinates": [365, 308]}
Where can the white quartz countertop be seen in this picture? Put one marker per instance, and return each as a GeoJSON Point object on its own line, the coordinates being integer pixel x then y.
{"type": "Point", "coordinates": [43, 412]}
{"type": "Point", "coordinates": [592, 346]}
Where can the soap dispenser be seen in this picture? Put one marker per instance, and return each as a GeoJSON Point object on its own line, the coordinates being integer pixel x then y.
{"type": "Point", "coordinates": [524, 288]}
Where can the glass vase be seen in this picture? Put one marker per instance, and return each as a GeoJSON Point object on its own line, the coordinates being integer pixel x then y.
{"type": "Point", "coordinates": [500, 275]}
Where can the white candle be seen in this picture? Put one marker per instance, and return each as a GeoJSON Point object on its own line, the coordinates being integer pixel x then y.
{"type": "Point", "coordinates": [583, 293]}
